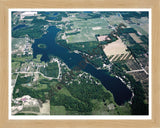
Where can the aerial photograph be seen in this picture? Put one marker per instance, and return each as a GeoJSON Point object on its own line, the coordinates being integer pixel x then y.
{"type": "Point", "coordinates": [79, 62]}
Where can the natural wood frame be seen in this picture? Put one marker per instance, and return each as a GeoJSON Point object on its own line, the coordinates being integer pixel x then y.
{"type": "Point", "coordinates": [6, 4]}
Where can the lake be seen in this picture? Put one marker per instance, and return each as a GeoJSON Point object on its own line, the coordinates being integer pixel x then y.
{"type": "Point", "coordinates": [119, 90]}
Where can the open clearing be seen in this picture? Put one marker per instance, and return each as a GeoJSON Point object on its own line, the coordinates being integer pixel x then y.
{"type": "Point", "coordinates": [135, 37]}
{"type": "Point", "coordinates": [114, 48]}
{"type": "Point", "coordinates": [58, 110]}
{"type": "Point", "coordinates": [103, 38]}
{"type": "Point", "coordinates": [45, 109]}
{"type": "Point", "coordinates": [117, 51]}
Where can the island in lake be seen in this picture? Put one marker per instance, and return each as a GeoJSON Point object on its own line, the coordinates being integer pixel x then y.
{"type": "Point", "coordinates": [42, 46]}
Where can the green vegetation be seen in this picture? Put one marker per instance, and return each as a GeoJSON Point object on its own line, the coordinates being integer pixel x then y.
{"type": "Point", "coordinates": [38, 59]}
{"type": "Point", "coordinates": [87, 16]}
{"type": "Point", "coordinates": [21, 59]}
{"type": "Point", "coordinates": [55, 16]}
{"type": "Point", "coordinates": [91, 48]}
{"type": "Point", "coordinates": [51, 70]}
{"type": "Point", "coordinates": [67, 99]}
{"type": "Point", "coordinates": [34, 31]}
{"type": "Point", "coordinates": [15, 66]}
{"type": "Point", "coordinates": [14, 75]}
{"type": "Point", "coordinates": [57, 110]}
{"type": "Point", "coordinates": [41, 86]}
{"type": "Point", "coordinates": [16, 42]}
{"type": "Point", "coordinates": [72, 99]}
{"type": "Point", "coordinates": [25, 114]}
{"type": "Point", "coordinates": [64, 91]}
{"type": "Point", "coordinates": [42, 45]}
{"type": "Point", "coordinates": [144, 39]}
{"type": "Point", "coordinates": [122, 65]}
{"type": "Point", "coordinates": [124, 110]}
{"type": "Point", "coordinates": [71, 104]}
{"type": "Point", "coordinates": [29, 17]}
{"type": "Point", "coordinates": [137, 50]}
{"type": "Point", "coordinates": [37, 90]}
{"type": "Point", "coordinates": [88, 91]}
{"type": "Point", "coordinates": [78, 93]}
{"type": "Point", "coordinates": [138, 102]}
{"type": "Point", "coordinates": [39, 22]}
{"type": "Point", "coordinates": [33, 109]}
{"type": "Point", "coordinates": [88, 30]}
{"type": "Point", "coordinates": [23, 80]}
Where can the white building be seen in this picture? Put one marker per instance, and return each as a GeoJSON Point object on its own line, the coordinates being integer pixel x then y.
{"type": "Point", "coordinates": [28, 14]}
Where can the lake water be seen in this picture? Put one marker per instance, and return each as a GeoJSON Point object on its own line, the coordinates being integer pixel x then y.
{"type": "Point", "coordinates": [120, 92]}
{"type": "Point", "coordinates": [51, 18]}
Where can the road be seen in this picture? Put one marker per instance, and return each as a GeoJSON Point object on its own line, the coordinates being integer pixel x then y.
{"type": "Point", "coordinates": [39, 73]}
{"type": "Point", "coordinates": [139, 70]}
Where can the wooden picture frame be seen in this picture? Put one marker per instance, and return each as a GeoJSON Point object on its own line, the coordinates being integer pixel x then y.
{"type": "Point", "coordinates": [4, 62]}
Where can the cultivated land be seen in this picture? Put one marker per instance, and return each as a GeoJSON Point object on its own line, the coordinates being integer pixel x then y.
{"type": "Point", "coordinates": [135, 37]}
{"type": "Point", "coordinates": [116, 20]}
{"type": "Point", "coordinates": [116, 42]}
{"type": "Point", "coordinates": [114, 48]}
{"type": "Point", "coordinates": [87, 29]}
{"type": "Point", "coordinates": [117, 51]}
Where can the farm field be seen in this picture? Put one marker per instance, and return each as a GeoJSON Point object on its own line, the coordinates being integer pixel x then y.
{"type": "Point", "coordinates": [117, 51]}
{"type": "Point", "coordinates": [133, 65]}
{"type": "Point", "coordinates": [135, 37]}
{"type": "Point", "coordinates": [114, 48]}
{"type": "Point", "coordinates": [88, 29]}
{"type": "Point", "coordinates": [139, 29]}
{"type": "Point", "coordinates": [143, 23]}
{"type": "Point", "coordinates": [115, 20]}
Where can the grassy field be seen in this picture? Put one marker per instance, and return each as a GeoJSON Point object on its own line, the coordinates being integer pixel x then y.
{"type": "Point", "coordinates": [139, 29]}
{"type": "Point", "coordinates": [34, 109]}
{"type": "Point", "coordinates": [57, 110]}
{"type": "Point", "coordinates": [51, 70]}
{"type": "Point", "coordinates": [99, 108]}
{"type": "Point", "coordinates": [64, 91]}
{"type": "Point", "coordinates": [143, 26]}
{"type": "Point", "coordinates": [115, 20]}
{"type": "Point", "coordinates": [88, 29]}
{"type": "Point", "coordinates": [41, 86]}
